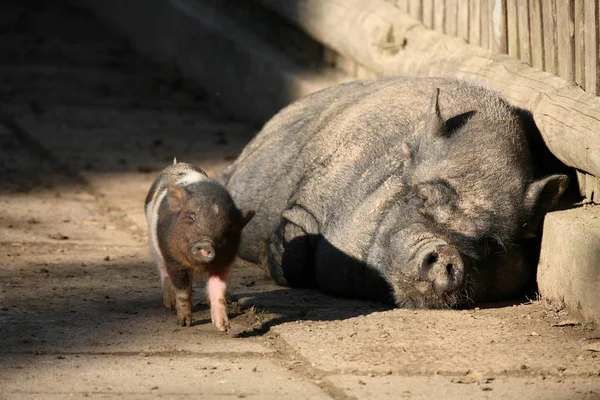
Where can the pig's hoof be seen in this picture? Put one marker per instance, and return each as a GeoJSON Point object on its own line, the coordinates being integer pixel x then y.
{"type": "Point", "coordinates": [222, 326]}
{"type": "Point", "coordinates": [185, 320]}
{"type": "Point", "coordinates": [220, 321]}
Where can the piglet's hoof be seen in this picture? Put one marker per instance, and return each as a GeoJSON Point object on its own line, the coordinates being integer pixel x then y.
{"type": "Point", "coordinates": [184, 320]}
{"type": "Point", "coordinates": [219, 319]}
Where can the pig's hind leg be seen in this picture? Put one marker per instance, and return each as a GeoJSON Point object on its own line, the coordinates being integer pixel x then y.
{"type": "Point", "coordinates": [216, 288]}
{"type": "Point", "coordinates": [290, 249]}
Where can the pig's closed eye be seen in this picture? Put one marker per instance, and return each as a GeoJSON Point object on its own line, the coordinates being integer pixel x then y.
{"type": "Point", "coordinates": [190, 217]}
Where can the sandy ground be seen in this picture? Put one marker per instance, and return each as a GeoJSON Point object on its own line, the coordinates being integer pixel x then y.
{"type": "Point", "coordinates": [85, 125]}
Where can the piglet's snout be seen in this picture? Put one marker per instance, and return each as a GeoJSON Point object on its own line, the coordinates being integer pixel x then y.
{"type": "Point", "coordinates": [444, 267]}
{"type": "Point", "coordinates": [203, 250]}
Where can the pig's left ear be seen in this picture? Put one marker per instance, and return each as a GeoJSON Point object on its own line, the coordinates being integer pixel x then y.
{"type": "Point", "coordinates": [541, 196]}
{"type": "Point", "coordinates": [176, 197]}
{"type": "Point", "coordinates": [246, 217]}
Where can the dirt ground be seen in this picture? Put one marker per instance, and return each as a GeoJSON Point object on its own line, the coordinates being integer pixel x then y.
{"type": "Point", "coordinates": [85, 125]}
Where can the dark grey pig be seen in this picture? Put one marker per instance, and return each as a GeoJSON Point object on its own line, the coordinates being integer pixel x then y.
{"type": "Point", "coordinates": [193, 224]}
{"type": "Point", "coordinates": [416, 192]}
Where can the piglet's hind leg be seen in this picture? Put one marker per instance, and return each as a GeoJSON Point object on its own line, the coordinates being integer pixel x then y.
{"type": "Point", "coordinates": [216, 288]}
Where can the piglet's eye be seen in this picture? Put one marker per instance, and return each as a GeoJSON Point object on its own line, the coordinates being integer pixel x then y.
{"type": "Point", "coordinates": [190, 217]}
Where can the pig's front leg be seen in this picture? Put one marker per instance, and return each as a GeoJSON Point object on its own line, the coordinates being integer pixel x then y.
{"type": "Point", "coordinates": [168, 291]}
{"type": "Point", "coordinates": [181, 280]}
{"type": "Point", "coordinates": [216, 288]}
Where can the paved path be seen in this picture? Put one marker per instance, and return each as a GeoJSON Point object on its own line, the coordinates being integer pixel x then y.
{"type": "Point", "coordinates": [85, 124]}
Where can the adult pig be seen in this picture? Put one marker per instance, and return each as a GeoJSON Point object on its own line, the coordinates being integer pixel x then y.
{"type": "Point", "coordinates": [411, 191]}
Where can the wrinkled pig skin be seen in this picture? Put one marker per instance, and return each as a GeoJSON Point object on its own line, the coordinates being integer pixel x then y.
{"type": "Point", "coordinates": [417, 192]}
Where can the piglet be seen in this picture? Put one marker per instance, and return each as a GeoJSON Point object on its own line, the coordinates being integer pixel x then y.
{"type": "Point", "coordinates": [193, 225]}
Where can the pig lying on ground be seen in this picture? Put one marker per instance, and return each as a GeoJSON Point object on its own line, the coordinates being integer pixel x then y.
{"type": "Point", "coordinates": [193, 224]}
{"type": "Point", "coordinates": [410, 191]}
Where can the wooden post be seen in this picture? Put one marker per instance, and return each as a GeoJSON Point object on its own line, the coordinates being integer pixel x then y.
{"type": "Point", "coordinates": [512, 28]}
{"type": "Point", "coordinates": [498, 34]}
{"type": "Point", "coordinates": [451, 17]}
{"type": "Point", "coordinates": [475, 25]}
{"type": "Point", "coordinates": [566, 39]}
{"type": "Point", "coordinates": [427, 10]}
{"type": "Point", "coordinates": [550, 41]}
{"type": "Point", "coordinates": [536, 34]}
{"type": "Point", "coordinates": [463, 22]}
{"type": "Point", "coordinates": [485, 23]}
{"type": "Point", "coordinates": [415, 9]}
{"type": "Point", "coordinates": [439, 12]}
{"type": "Point", "coordinates": [579, 44]}
{"type": "Point", "coordinates": [523, 18]}
{"type": "Point", "coordinates": [592, 52]}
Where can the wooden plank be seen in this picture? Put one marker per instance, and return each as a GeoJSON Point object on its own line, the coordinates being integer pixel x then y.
{"type": "Point", "coordinates": [536, 34]}
{"type": "Point", "coordinates": [475, 22]}
{"type": "Point", "coordinates": [592, 53]}
{"type": "Point", "coordinates": [427, 11]}
{"type": "Point", "coordinates": [497, 35]}
{"type": "Point", "coordinates": [463, 19]}
{"type": "Point", "coordinates": [550, 40]}
{"type": "Point", "coordinates": [415, 9]}
{"type": "Point", "coordinates": [439, 13]}
{"type": "Point", "coordinates": [567, 117]}
{"type": "Point", "coordinates": [523, 21]}
{"type": "Point", "coordinates": [566, 39]}
{"type": "Point", "coordinates": [512, 28]}
{"type": "Point", "coordinates": [451, 17]}
{"type": "Point", "coordinates": [485, 23]}
{"type": "Point", "coordinates": [402, 5]}
{"type": "Point", "coordinates": [579, 44]}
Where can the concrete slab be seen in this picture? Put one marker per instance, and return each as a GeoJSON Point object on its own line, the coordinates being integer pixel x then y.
{"type": "Point", "coordinates": [507, 340]}
{"type": "Point", "coordinates": [169, 376]}
{"type": "Point", "coordinates": [569, 267]}
{"type": "Point", "coordinates": [472, 386]}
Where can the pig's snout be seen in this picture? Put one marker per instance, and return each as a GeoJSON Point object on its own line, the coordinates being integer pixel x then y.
{"type": "Point", "coordinates": [443, 267]}
{"type": "Point", "coordinates": [203, 250]}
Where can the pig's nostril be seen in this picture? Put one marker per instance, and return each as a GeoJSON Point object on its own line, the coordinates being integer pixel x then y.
{"type": "Point", "coordinates": [450, 269]}
{"type": "Point", "coordinates": [432, 258]}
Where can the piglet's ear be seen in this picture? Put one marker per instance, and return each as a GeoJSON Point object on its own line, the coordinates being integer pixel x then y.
{"type": "Point", "coordinates": [246, 217]}
{"type": "Point", "coordinates": [541, 196]}
{"type": "Point", "coordinates": [176, 197]}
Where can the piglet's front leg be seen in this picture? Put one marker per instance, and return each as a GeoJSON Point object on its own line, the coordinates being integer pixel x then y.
{"type": "Point", "coordinates": [216, 288]}
{"type": "Point", "coordinates": [181, 290]}
{"type": "Point", "coordinates": [183, 302]}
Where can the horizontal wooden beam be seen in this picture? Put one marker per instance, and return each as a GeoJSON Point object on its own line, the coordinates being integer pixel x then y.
{"type": "Point", "coordinates": [383, 39]}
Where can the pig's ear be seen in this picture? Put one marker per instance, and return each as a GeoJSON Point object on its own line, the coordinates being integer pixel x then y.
{"type": "Point", "coordinates": [434, 123]}
{"type": "Point", "coordinates": [541, 196]}
{"type": "Point", "coordinates": [246, 217]}
{"type": "Point", "coordinates": [176, 197]}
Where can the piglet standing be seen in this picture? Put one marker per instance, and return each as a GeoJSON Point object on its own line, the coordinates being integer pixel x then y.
{"type": "Point", "coordinates": [193, 225]}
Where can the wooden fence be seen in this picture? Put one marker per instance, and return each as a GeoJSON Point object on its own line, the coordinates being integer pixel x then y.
{"type": "Point", "coordinates": [557, 36]}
